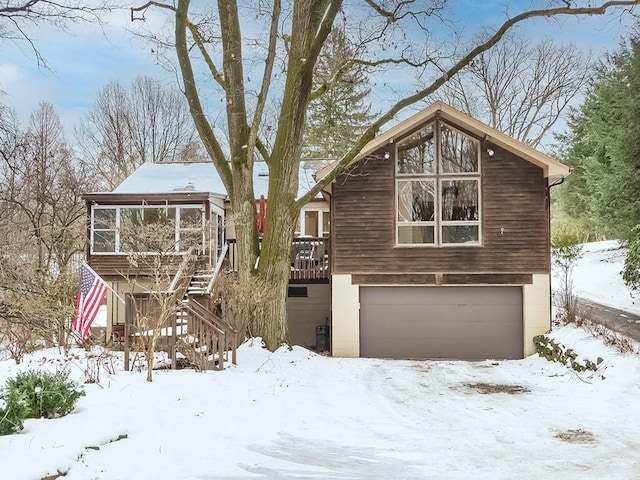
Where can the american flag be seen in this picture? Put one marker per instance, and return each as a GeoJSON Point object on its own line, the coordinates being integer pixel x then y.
{"type": "Point", "coordinates": [90, 297]}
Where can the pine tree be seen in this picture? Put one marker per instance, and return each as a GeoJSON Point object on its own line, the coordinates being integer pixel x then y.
{"type": "Point", "coordinates": [603, 191]}
{"type": "Point", "coordinates": [340, 112]}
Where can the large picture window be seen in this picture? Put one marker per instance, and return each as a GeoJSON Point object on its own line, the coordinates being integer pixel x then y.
{"type": "Point", "coordinates": [438, 187]}
{"type": "Point", "coordinates": [146, 229]}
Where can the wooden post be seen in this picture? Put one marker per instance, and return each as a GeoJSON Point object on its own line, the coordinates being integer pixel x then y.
{"type": "Point", "coordinates": [126, 344]}
{"type": "Point", "coordinates": [172, 346]}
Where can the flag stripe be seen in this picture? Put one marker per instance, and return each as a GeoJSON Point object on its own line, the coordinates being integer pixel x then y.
{"type": "Point", "coordinates": [90, 297]}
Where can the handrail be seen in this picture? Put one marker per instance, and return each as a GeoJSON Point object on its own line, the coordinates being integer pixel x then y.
{"type": "Point", "coordinates": [174, 282]}
{"type": "Point", "coordinates": [216, 270]}
{"type": "Point", "coordinates": [186, 262]}
{"type": "Point", "coordinates": [199, 309]}
{"type": "Point", "coordinates": [310, 258]}
{"type": "Point", "coordinates": [224, 334]}
{"type": "Point", "coordinates": [203, 319]}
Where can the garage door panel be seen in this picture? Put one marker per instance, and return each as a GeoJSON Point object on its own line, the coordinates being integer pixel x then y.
{"type": "Point", "coordinates": [441, 296]}
{"type": "Point", "coordinates": [441, 322]}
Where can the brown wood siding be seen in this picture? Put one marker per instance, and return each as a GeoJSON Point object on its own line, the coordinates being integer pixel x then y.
{"type": "Point", "coordinates": [442, 279]}
{"type": "Point", "coordinates": [515, 222]}
{"type": "Point", "coordinates": [117, 267]}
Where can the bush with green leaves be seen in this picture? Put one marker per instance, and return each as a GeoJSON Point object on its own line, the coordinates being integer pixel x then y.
{"type": "Point", "coordinates": [13, 412]}
{"type": "Point", "coordinates": [556, 352]}
{"type": "Point", "coordinates": [565, 253]}
{"type": "Point", "coordinates": [631, 271]}
{"type": "Point", "coordinates": [34, 395]}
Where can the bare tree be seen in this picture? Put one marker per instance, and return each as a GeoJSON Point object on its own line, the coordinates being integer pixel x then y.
{"type": "Point", "coordinates": [17, 17]}
{"type": "Point", "coordinates": [149, 122]}
{"type": "Point", "coordinates": [287, 54]}
{"type": "Point", "coordinates": [156, 241]}
{"type": "Point", "coordinates": [520, 88]}
{"type": "Point", "coordinates": [42, 225]}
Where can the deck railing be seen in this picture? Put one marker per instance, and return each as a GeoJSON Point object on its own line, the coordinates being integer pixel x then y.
{"type": "Point", "coordinates": [309, 258]}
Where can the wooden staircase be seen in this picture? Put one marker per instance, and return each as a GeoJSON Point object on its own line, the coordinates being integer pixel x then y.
{"type": "Point", "coordinates": [209, 340]}
{"type": "Point", "coordinates": [197, 330]}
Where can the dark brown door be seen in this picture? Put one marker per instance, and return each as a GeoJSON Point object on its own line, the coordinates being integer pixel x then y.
{"type": "Point", "coordinates": [470, 323]}
{"type": "Point", "coordinates": [141, 306]}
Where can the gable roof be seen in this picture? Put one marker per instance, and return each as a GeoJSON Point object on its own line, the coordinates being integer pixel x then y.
{"type": "Point", "coordinates": [173, 177]}
{"type": "Point", "coordinates": [553, 169]}
{"type": "Point", "coordinates": [202, 177]}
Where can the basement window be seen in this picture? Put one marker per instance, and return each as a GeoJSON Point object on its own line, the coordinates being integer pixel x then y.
{"type": "Point", "coordinates": [297, 292]}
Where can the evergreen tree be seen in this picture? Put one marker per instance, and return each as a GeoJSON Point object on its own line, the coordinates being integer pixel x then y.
{"type": "Point", "coordinates": [339, 113]}
{"type": "Point", "coordinates": [603, 191]}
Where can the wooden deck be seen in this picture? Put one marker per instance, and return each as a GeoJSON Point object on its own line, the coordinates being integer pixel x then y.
{"type": "Point", "coordinates": [309, 259]}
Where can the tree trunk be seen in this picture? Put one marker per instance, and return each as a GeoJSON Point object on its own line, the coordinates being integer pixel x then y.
{"type": "Point", "coordinates": [243, 206]}
{"type": "Point", "coordinates": [275, 268]}
{"type": "Point", "coordinates": [151, 348]}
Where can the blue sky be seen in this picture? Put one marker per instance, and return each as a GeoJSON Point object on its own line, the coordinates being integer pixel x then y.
{"type": "Point", "coordinates": [85, 58]}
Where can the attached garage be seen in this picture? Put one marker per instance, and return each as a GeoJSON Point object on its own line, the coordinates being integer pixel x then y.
{"type": "Point", "coordinates": [470, 323]}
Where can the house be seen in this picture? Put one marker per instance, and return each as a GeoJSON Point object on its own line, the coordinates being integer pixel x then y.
{"type": "Point", "coordinates": [434, 243]}
{"type": "Point", "coordinates": [193, 197]}
{"type": "Point", "coordinates": [441, 242]}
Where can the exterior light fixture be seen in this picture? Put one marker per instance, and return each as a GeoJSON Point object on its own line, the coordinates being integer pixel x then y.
{"type": "Point", "coordinates": [490, 152]}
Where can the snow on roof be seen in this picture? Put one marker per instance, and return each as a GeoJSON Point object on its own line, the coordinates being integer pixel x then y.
{"type": "Point", "coordinates": [200, 177]}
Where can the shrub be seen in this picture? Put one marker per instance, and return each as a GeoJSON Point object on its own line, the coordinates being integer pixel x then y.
{"type": "Point", "coordinates": [13, 413]}
{"type": "Point", "coordinates": [556, 352]}
{"type": "Point", "coordinates": [48, 395]}
{"type": "Point", "coordinates": [565, 254]}
{"type": "Point", "coordinates": [631, 271]}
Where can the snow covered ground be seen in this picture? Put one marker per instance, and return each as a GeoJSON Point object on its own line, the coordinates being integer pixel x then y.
{"type": "Point", "coordinates": [596, 276]}
{"type": "Point", "coordinates": [293, 414]}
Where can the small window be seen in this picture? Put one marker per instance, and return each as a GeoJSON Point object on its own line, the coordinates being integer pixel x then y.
{"type": "Point", "coordinates": [104, 230]}
{"type": "Point", "coordinates": [190, 229]}
{"type": "Point", "coordinates": [297, 292]}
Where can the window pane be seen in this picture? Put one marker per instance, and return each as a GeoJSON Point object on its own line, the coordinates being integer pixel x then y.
{"type": "Point", "coordinates": [104, 241]}
{"type": "Point", "coordinates": [416, 154]}
{"type": "Point", "coordinates": [190, 218]}
{"type": "Point", "coordinates": [416, 200]}
{"type": "Point", "coordinates": [460, 200]}
{"type": "Point", "coordinates": [416, 234]}
{"type": "Point", "coordinates": [104, 218]}
{"type": "Point", "coordinates": [326, 223]}
{"type": "Point", "coordinates": [130, 229]}
{"type": "Point", "coordinates": [459, 152]}
{"type": "Point", "coordinates": [130, 218]}
{"type": "Point", "coordinates": [311, 223]}
{"type": "Point", "coordinates": [155, 215]}
{"type": "Point", "coordinates": [460, 233]}
{"type": "Point", "coordinates": [190, 238]}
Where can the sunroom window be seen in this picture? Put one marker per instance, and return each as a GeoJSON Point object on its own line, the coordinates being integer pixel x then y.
{"type": "Point", "coordinates": [438, 187]}
{"type": "Point", "coordinates": [104, 230]}
{"type": "Point", "coordinates": [146, 229]}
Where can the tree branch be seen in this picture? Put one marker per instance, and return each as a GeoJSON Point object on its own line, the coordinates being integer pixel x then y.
{"type": "Point", "coordinates": [143, 8]}
{"type": "Point", "coordinates": [370, 133]}
{"type": "Point", "coordinates": [266, 82]}
{"type": "Point", "coordinates": [202, 125]}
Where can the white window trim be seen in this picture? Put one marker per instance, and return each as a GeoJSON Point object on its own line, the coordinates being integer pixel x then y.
{"type": "Point", "coordinates": [321, 213]}
{"type": "Point", "coordinates": [118, 208]}
{"type": "Point", "coordinates": [438, 178]}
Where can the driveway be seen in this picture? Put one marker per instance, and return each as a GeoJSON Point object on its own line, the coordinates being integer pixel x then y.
{"type": "Point", "coordinates": [622, 322]}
